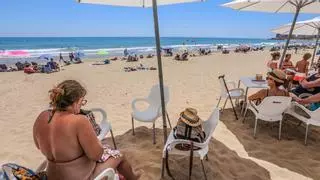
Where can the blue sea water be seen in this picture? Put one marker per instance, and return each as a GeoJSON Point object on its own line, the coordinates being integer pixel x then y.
{"type": "Point", "coordinates": [37, 46]}
{"type": "Point", "coordinates": [30, 43]}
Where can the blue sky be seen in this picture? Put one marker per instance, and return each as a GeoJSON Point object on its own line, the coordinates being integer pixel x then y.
{"type": "Point", "coordinates": [67, 18]}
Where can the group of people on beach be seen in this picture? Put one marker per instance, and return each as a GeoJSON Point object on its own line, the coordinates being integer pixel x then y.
{"type": "Point", "coordinates": [49, 67]}
{"type": "Point", "coordinates": [282, 81]}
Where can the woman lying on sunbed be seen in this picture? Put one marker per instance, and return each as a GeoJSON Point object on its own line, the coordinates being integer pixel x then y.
{"type": "Point", "coordinates": [275, 79]}
{"type": "Point", "coordinates": [310, 85]}
{"type": "Point", "coordinates": [68, 140]}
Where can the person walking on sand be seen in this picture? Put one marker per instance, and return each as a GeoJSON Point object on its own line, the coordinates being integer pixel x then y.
{"type": "Point", "coordinates": [61, 58]}
{"type": "Point", "coordinates": [68, 140]}
{"type": "Point", "coordinates": [125, 52]}
{"type": "Point", "coordinates": [302, 66]}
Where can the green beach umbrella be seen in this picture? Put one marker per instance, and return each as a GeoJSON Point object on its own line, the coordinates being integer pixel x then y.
{"type": "Point", "coordinates": [102, 53]}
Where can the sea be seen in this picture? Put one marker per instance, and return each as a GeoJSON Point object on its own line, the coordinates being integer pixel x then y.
{"type": "Point", "coordinates": [114, 46]}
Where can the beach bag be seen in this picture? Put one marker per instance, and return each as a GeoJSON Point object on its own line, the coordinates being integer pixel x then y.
{"type": "Point", "coordinates": [16, 172]}
{"type": "Point", "coordinates": [189, 127]}
{"type": "Point", "coordinates": [92, 119]}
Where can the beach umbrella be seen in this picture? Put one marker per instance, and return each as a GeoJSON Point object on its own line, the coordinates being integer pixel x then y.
{"type": "Point", "coordinates": [278, 6]}
{"type": "Point", "coordinates": [46, 56]}
{"type": "Point", "coordinates": [308, 27]}
{"type": "Point", "coordinates": [154, 4]}
{"type": "Point", "coordinates": [79, 54]}
{"type": "Point", "coordinates": [102, 52]}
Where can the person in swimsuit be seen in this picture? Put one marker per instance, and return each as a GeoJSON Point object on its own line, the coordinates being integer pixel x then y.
{"type": "Point", "coordinates": [303, 65]}
{"type": "Point", "coordinates": [275, 79]}
{"type": "Point", "coordinates": [287, 63]}
{"type": "Point", "coordinates": [313, 100]}
{"type": "Point", "coordinates": [273, 63]}
{"type": "Point", "coordinates": [309, 85]}
{"type": "Point", "coordinates": [68, 140]}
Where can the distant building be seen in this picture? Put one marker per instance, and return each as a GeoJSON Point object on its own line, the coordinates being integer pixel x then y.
{"type": "Point", "coordinates": [285, 36]}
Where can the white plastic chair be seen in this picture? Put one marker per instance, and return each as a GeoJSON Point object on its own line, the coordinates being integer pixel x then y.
{"type": "Point", "coordinates": [170, 147]}
{"type": "Point", "coordinates": [105, 126]}
{"type": "Point", "coordinates": [313, 119]}
{"type": "Point", "coordinates": [235, 93]}
{"type": "Point", "coordinates": [109, 173]}
{"type": "Point", "coordinates": [153, 112]}
{"type": "Point", "coordinates": [229, 91]}
{"type": "Point", "coordinates": [271, 109]}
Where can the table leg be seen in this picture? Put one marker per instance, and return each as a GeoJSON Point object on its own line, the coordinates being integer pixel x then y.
{"type": "Point", "coordinates": [237, 101]}
{"type": "Point", "coordinates": [245, 101]}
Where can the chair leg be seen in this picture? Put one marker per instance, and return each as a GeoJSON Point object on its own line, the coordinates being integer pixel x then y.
{"type": "Point", "coordinates": [280, 126]}
{"type": "Point", "coordinates": [191, 161]}
{"type": "Point", "coordinates": [207, 157]}
{"type": "Point", "coordinates": [132, 121]}
{"type": "Point", "coordinates": [244, 107]}
{"type": "Point", "coordinates": [244, 115]}
{"type": "Point", "coordinates": [234, 110]}
{"type": "Point", "coordinates": [225, 103]}
{"type": "Point", "coordinates": [306, 136]}
{"type": "Point", "coordinates": [162, 168]}
{"type": "Point", "coordinates": [219, 102]}
{"type": "Point", "coordinates": [167, 164]}
{"type": "Point", "coordinates": [204, 171]}
{"type": "Point", "coordinates": [154, 133]}
{"type": "Point", "coordinates": [255, 128]}
{"type": "Point", "coordinates": [169, 120]}
{"type": "Point", "coordinates": [113, 140]}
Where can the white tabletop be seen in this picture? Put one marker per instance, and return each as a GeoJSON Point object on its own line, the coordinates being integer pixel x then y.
{"type": "Point", "coordinates": [249, 83]}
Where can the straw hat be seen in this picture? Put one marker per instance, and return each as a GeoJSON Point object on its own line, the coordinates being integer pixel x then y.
{"type": "Point", "coordinates": [277, 75]}
{"type": "Point", "coordinates": [190, 117]}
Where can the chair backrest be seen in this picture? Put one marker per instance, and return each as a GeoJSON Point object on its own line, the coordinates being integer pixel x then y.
{"type": "Point", "coordinates": [222, 82]}
{"type": "Point", "coordinates": [304, 95]}
{"type": "Point", "coordinates": [274, 105]}
{"type": "Point", "coordinates": [154, 96]}
{"type": "Point", "coordinates": [211, 124]}
{"type": "Point", "coordinates": [315, 114]}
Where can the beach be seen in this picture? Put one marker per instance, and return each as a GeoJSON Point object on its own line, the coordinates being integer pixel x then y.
{"type": "Point", "coordinates": [192, 83]}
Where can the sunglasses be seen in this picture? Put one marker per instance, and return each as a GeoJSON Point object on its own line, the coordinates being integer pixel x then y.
{"type": "Point", "coordinates": [84, 102]}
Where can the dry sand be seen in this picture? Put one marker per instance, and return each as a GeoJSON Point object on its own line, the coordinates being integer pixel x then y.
{"type": "Point", "coordinates": [192, 84]}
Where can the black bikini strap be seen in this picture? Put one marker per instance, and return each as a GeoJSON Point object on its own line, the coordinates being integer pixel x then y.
{"type": "Point", "coordinates": [51, 115]}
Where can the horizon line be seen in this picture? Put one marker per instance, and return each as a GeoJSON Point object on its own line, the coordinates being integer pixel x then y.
{"type": "Point", "coordinates": [265, 38]}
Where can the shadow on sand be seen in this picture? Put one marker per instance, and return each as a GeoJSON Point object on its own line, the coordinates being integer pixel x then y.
{"type": "Point", "coordinates": [223, 163]}
{"type": "Point", "coordinates": [290, 152]}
